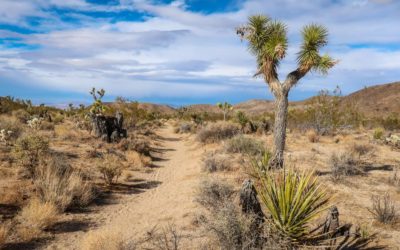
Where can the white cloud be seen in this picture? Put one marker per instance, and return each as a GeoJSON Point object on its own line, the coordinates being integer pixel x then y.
{"type": "Point", "coordinates": [178, 53]}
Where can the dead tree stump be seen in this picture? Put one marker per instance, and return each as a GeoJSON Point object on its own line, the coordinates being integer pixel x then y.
{"type": "Point", "coordinates": [249, 201]}
{"type": "Point", "coordinates": [109, 128]}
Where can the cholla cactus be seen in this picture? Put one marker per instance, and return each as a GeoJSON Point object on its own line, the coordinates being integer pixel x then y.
{"type": "Point", "coordinates": [5, 135]}
{"type": "Point", "coordinates": [35, 123]}
{"type": "Point", "coordinates": [225, 107]}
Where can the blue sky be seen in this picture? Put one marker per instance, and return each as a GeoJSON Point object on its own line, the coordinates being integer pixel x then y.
{"type": "Point", "coordinates": [185, 51]}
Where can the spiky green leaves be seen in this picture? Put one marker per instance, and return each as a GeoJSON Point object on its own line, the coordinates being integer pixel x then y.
{"type": "Point", "coordinates": [267, 40]}
{"type": "Point", "coordinates": [314, 38]}
{"type": "Point", "coordinates": [276, 45]}
{"type": "Point", "coordinates": [225, 106]}
{"type": "Point", "coordinates": [293, 200]}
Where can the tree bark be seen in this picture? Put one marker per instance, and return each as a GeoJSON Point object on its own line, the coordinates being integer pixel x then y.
{"type": "Point", "coordinates": [281, 111]}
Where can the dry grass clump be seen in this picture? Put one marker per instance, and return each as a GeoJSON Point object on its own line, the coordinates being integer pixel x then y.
{"type": "Point", "coordinates": [184, 127]}
{"type": "Point", "coordinates": [361, 150]}
{"type": "Point", "coordinates": [11, 124]}
{"type": "Point", "coordinates": [166, 239]}
{"type": "Point", "coordinates": [213, 162]}
{"type": "Point", "coordinates": [21, 115]}
{"type": "Point", "coordinates": [226, 226]}
{"type": "Point", "coordinates": [218, 131]}
{"type": "Point", "coordinates": [14, 194]}
{"type": "Point", "coordinates": [45, 125]}
{"type": "Point", "coordinates": [36, 217]}
{"type": "Point", "coordinates": [137, 143]}
{"type": "Point", "coordinates": [384, 209]}
{"type": "Point", "coordinates": [105, 239]}
{"type": "Point", "coordinates": [312, 136]}
{"type": "Point", "coordinates": [343, 164]}
{"type": "Point", "coordinates": [111, 168]}
{"type": "Point", "coordinates": [29, 151]}
{"type": "Point", "coordinates": [244, 145]}
{"type": "Point", "coordinates": [59, 184]}
{"type": "Point", "coordinates": [212, 193]}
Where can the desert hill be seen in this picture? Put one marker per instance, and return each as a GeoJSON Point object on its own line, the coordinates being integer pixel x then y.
{"type": "Point", "coordinates": [377, 100]}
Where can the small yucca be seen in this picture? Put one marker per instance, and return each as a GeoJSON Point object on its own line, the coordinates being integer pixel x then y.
{"type": "Point", "coordinates": [293, 200]}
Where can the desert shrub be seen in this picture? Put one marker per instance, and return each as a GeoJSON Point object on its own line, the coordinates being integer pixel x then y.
{"type": "Point", "coordinates": [383, 209]}
{"type": "Point", "coordinates": [312, 136]}
{"type": "Point", "coordinates": [111, 168]}
{"type": "Point", "coordinates": [30, 150]}
{"type": "Point", "coordinates": [241, 118]}
{"type": "Point", "coordinates": [59, 184]}
{"type": "Point", "coordinates": [140, 145]}
{"type": "Point", "coordinates": [184, 128]}
{"type": "Point", "coordinates": [292, 200]}
{"type": "Point", "coordinates": [21, 115]}
{"type": "Point", "coordinates": [58, 118]}
{"type": "Point", "coordinates": [105, 239]}
{"type": "Point", "coordinates": [343, 164]}
{"type": "Point", "coordinates": [213, 162]}
{"type": "Point", "coordinates": [212, 193]}
{"type": "Point", "coordinates": [216, 132]}
{"type": "Point", "coordinates": [244, 145]}
{"type": "Point", "coordinates": [11, 125]}
{"type": "Point", "coordinates": [36, 217]}
{"type": "Point", "coordinates": [14, 194]}
{"type": "Point", "coordinates": [167, 238]}
{"type": "Point", "coordinates": [360, 150]}
{"type": "Point", "coordinates": [228, 228]}
{"type": "Point", "coordinates": [378, 133]}
{"type": "Point", "coordinates": [226, 225]}
{"type": "Point", "coordinates": [45, 125]}
{"type": "Point", "coordinates": [392, 122]}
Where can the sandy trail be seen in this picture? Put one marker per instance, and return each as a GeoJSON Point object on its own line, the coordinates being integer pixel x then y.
{"type": "Point", "coordinates": [167, 196]}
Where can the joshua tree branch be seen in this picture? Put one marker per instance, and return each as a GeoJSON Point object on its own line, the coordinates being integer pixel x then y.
{"type": "Point", "coordinates": [294, 77]}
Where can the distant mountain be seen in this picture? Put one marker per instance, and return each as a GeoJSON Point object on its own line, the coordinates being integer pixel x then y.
{"type": "Point", "coordinates": [255, 106]}
{"type": "Point", "coordinates": [378, 100]}
{"type": "Point", "coordinates": [151, 107]}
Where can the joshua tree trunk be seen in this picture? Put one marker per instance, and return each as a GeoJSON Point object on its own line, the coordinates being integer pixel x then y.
{"type": "Point", "coordinates": [224, 116]}
{"type": "Point", "coordinates": [281, 110]}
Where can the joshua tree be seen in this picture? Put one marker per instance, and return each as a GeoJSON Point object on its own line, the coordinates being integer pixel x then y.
{"type": "Point", "coordinates": [268, 42]}
{"type": "Point", "coordinates": [225, 107]}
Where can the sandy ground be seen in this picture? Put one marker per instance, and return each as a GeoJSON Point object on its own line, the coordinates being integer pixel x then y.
{"type": "Point", "coordinates": [166, 197]}
{"type": "Point", "coordinates": [164, 194]}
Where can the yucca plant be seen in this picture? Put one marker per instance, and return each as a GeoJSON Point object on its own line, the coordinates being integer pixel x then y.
{"type": "Point", "coordinates": [293, 199]}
